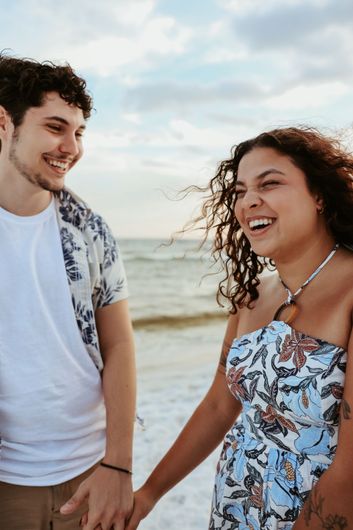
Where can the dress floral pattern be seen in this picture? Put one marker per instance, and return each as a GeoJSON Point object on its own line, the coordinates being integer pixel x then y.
{"type": "Point", "coordinates": [290, 386]}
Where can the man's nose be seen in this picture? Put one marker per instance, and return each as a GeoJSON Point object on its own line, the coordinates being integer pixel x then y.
{"type": "Point", "coordinates": [69, 145]}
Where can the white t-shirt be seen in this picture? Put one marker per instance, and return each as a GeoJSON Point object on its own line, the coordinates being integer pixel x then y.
{"type": "Point", "coordinates": [52, 414]}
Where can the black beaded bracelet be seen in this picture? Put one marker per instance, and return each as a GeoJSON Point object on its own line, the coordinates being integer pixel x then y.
{"type": "Point", "coordinates": [116, 468]}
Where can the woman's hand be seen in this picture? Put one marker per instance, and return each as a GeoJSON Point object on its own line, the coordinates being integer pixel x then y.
{"type": "Point", "coordinates": [143, 504]}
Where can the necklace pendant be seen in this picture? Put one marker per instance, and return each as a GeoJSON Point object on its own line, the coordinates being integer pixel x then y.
{"type": "Point", "coordinates": [293, 313]}
{"type": "Point", "coordinates": [293, 310]}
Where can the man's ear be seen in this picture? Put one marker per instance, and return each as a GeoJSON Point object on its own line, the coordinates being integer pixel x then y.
{"type": "Point", "coordinates": [5, 120]}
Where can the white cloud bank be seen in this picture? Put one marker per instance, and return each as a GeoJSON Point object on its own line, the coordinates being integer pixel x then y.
{"type": "Point", "coordinates": [176, 88]}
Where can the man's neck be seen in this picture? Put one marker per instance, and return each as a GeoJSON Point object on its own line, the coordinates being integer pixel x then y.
{"type": "Point", "coordinates": [23, 200]}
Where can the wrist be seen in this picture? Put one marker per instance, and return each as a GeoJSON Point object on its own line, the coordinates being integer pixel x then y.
{"type": "Point", "coordinates": [120, 469]}
{"type": "Point", "coordinates": [121, 457]}
{"type": "Point", "coordinates": [152, 490]}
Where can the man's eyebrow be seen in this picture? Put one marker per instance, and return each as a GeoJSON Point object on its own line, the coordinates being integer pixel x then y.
{"type": "Point", "coordinates": [62, 120]}
{"type": "Point", "coordinates": [262, 175]}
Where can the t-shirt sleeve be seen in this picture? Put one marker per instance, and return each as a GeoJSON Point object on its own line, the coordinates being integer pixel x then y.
{"type": "Point", "coordinates": [112, 285]}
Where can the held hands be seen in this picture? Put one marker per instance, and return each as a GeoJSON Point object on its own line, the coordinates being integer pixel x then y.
{"type": "Point", "coordinates": [143, 504]}
{"type": "Point", "coordinates": [109, 496]}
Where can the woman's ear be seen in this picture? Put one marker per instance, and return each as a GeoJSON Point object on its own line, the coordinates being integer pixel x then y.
{"type": "Point", "coordinates": [320, 205]}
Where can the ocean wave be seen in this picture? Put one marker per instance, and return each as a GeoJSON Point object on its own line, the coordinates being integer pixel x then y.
{"type": "Point", "coordinates": [177, 321]}
{"type": "Point", "coordinates": [160, 257]}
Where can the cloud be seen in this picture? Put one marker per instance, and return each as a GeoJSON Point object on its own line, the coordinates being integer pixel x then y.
{"type": "Point", "coordinates": [178, 135]}
{"type": "Point", "coordinates": [132, 117]}
{"type": "Point", "coordinates": [175, 86]}
{"type": "Point", "coordinates": [168, 95]}
{"type": "Point", "coordinates": [295, 46]}
{"type": "Point", "coordinates": [324, 63]}
{"type": "Point", "coordinates": [248, 7]}
{"type": "Point", "coordinates": [102, 38]}
{"type": "Point", "coordinates": [287, 25]}
{"type": "Point", "coordinates": [302, 97]}
{"type": "Point", "coordinates": [223, 55]}
{"type": "Point", "coordinates": [291, 41]}
{"type": "Point", "coordinates": [159, 37]}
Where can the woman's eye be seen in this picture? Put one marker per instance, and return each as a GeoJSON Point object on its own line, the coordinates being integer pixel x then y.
{"type": "Point", "coordinates": [239, 193]}
{"type": "Point", "coordinates": [269, 184]}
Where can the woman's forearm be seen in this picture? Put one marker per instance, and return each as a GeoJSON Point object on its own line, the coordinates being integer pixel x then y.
{"type": "Point", "coordinates": [200, 436]}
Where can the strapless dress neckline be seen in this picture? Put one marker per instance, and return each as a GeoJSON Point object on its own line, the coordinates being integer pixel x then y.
{"type": "Point", "coordinates": [283, 325]}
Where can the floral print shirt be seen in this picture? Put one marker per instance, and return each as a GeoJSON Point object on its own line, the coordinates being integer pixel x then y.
{"type": "Point", "coordinates": [94, 268]}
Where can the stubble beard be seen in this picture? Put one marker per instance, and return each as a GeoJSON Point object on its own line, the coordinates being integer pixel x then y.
{"type": "Point", "coordinates": [25, 171]}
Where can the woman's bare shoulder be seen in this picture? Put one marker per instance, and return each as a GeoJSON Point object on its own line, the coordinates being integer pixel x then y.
{"type": "Point", "coordinates": [343, 278]}
{"type": "Point", "coordinates": [342, 272]}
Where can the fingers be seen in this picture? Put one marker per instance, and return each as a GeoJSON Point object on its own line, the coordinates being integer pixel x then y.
{"type": "Point", "coordinates": [76, 500]}
{"type": "Point", "coordinates": [134, 521]}
{"type": "Point", "coordinates": [84, 519]}
{"type": "Point", "coordinates": [91, 523]}
{"type": "Point", "coordinates": [110, 501]}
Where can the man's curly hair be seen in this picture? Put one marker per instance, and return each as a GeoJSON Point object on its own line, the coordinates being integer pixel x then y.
{"type": "Point", "coordinates": [328, 168]}
{"type": "Point", "coordinates": [25, 82]}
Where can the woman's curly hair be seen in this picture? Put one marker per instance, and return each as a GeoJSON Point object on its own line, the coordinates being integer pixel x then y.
{"type": "Point", "coordinates": [24, 83]}
{"type": "Point", "coordinates": [328, 168]}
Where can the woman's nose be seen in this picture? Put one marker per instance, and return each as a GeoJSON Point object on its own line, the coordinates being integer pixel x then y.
{"type": "Point", "coordinates": [251, 199]}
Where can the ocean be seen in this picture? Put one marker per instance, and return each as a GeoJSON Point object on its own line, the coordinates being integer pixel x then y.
{"type": "Point", "coordinates": [166, 285]}
{"type": "Point", "coordinates": [172, 296]}
{"type": "Point", "coordinates": [178, 329]}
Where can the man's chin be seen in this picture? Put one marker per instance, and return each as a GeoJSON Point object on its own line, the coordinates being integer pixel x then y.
{"type": "Point", "coordinates": [52, 186]}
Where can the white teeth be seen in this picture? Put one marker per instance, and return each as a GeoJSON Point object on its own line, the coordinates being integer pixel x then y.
{"type": "Point", "coordinates": [56, 163]}
{"type": "Point", "coordinates": [260, 222]}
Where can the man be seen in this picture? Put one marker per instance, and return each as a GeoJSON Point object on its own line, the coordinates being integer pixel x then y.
{"type": "Point", "coordinates": [67, 384]}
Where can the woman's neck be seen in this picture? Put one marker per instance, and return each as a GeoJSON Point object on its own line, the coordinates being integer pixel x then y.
{"type": "Point", "coordinates": [295, 270]}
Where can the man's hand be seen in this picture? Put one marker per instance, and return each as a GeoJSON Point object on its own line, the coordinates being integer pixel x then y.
{"type": "Point", "coordinates": [109, 496]}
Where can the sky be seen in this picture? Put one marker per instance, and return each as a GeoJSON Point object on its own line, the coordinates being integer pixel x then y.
{"type": "Point", "coordinates": [177, 83]}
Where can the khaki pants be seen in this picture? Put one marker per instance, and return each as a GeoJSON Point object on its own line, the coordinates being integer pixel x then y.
{"type": "Point", "coordinates": [37, 507]}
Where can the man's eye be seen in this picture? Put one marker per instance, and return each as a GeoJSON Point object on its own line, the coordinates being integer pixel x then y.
{"type": "Point", "coordinates": [55, 128]}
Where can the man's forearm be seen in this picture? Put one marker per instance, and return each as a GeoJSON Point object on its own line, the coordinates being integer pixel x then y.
{"type": "Point", "coordinates": [119, 389]}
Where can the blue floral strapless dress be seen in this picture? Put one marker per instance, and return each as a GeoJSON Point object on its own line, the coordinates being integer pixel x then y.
{"type": "Point", "coordinates": [290, 386]}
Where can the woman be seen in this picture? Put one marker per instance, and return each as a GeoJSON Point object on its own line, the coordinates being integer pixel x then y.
{"type": "Point", "coordinates": [284, 198]}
